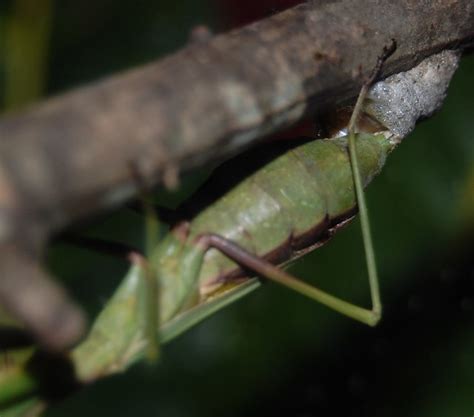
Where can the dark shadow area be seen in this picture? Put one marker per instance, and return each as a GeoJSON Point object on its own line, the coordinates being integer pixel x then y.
{"type": "Point", "coordinates": [370, 370]}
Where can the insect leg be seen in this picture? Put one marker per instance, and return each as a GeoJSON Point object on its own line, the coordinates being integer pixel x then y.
{"type": "Point", "coordinates": [152, 226]}
{"type": "Point", "coordinates": [269, 271]}
{"type": "Point", "coordinates": [274, 273]}
{"type": "Point", "coordinates": [359, 189]}
{"type": "Point", "coordinates": [152, 233]}
{"type": "Point", "coordinates": [153, 346]}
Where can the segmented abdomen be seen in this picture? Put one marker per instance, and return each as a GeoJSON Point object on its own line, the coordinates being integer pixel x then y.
{"type": "Point", "coordinates": [288, 204]}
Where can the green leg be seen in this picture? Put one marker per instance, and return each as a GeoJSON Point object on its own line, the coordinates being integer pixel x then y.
{"type": "Point", "coordinates": [274, 273]}
{"type": "Point", "coordinates": [359, 189]}
{"type": "Point", "coordinates": [152, 312]}
{"type": "Point", "coordinates": [152, 232]}
{"type": "Point", "coordinates": [153, 293]}
{"type": "Point", "coordinates": [269, 271]}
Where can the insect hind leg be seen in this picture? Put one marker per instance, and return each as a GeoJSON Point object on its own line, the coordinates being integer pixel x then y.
{"type": "Point", "coordinates": [269, 271]}
{"type": "Point", "coordinates": [272, 272]}
{"type": "Point", "coordinates": [359, 189]}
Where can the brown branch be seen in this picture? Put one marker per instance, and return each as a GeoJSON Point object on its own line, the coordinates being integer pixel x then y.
{"type": "Point", "coordinates": [69, 156]}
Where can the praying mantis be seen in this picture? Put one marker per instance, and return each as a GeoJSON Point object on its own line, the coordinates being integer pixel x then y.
{"type": "Point", "coordinates": [196, 269]}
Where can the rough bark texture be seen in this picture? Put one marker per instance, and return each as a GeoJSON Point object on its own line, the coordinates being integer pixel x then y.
{"type": "Point", "coordinates": [71, 155]}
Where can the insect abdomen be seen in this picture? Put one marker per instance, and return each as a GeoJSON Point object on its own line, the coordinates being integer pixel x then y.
{"type": "Point", "coordinates": [289, 204]}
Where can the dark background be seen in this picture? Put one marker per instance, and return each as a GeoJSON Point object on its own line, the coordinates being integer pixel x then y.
{"type": "Point", "coordinates": [274, 352]}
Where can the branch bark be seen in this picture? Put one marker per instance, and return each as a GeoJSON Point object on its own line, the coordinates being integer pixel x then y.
{"type": "Point", "coordinates": [70, 156]}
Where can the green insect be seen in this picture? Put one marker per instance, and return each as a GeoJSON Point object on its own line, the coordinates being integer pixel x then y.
{"type": "Point", "coordinates": [283, 210]}
{"type": "Point", "coordinates": [290, 206]}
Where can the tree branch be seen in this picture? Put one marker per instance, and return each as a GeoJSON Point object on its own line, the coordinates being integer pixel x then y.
{"type": "Point", "coordinates": [70, 156]}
